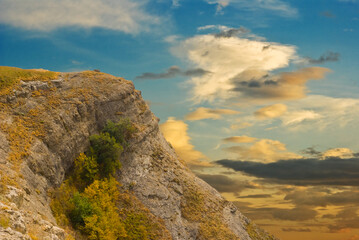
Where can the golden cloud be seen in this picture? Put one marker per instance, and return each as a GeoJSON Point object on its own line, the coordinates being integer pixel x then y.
{"type": "Point", "coordinates": [271, 111]}
{"type": "Point", "coordinates": [338, 152]}
{"type": "Point", "coordinates": [175, 132]}
{"type": "Point", "coordinates": [208, 113]}
{"type": "Point", "coordinates": [239, 139]}
{"type": "Point", "coordinates": [284, 86]}
{"type": "Point", "coordinates": [263, 150]}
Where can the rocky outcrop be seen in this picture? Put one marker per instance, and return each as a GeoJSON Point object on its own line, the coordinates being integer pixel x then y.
{"type": "Point", "coordinates": [45, 125]}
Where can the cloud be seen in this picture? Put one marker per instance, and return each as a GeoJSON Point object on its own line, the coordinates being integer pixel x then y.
{"type": "Point", "coordinates": [327, 14]}
{"type": "Point", "coordinates": [326, 57]}
{"type": "Point", "coordinates": [283, 86]}
{"type": "Point", "coordinates": [346, 219]}
{"type": "Point", "coordinates": [46, 15]}
{"type": "Point", "coordinates": [236, 126]}
{"type": "Point", "coordinates": [239, 139]}
{"type": "Point", "coordinates": [312, 171]}
{"type": "Point", "coordinates": [314, 197]}
{"type": "Point", "coordinates": [290, 229]}
{"type": "Point", "coordinates": [176, 3]}
{"type": "Point", "coordinates": [256, 196]}
{"type": "Point", "coordinates": [175, 132]}
{"type": "Point", "coordinates": [321, 112]}
{"type": "Point", "coordinates": [208, 113]}
{"type": "Point", "coordinates": [297, 117]}
{"type": "Point", "coordinates": [220, 4]}
{"type": "Point", "coordinates": [226, 184]}
{"type": "Point", "coordinates": [231, 32]}
{"type": "Point", "coordinates": [263, 150]}
{"type": "Point", "coordinates": [338, 152]}
{"type": "Point", "coordinates": [311, 151]}
{"type": "Point", "coordinates": [173, 72]}
{"type": "Point", "coordinates": [271, 111]}
{"type": "Point", "coordinates": [229, 58]}
{"type": "Point", "coordinates": [276, 6]}
{"type": "Point", "coordinates": [295, 214]}
{"type": "Point", "coordinates": [241, 68]}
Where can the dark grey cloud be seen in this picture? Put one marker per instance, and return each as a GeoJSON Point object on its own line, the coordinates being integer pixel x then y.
{"type": "Point", "coordinates": [294, 214]}
{"type": "Point", "coordinates": [312, 171]}
{"type": "Point", "coordinates": [346, 218]}
{"type": "Point", "coordinates": [313, 197]}
{"type": "Point", "coordinates": [296, 229]}
{"type": "Point", "coordinates": [225, 184]}
{"type": "Point", "coordinates": [255, 84]}
{"type": "Point", "coordinates": [231, 32]}
{"type": "Point", "coordinates": [173, 72]}
{"type": "Point", "coordinates": [311, 151]}
{"type": "Point", "coordinates": [256, 196]}
{"type": "Point", "coordinates": [327, 14]}
{"type": "Point", "coordinates": [326, 57]}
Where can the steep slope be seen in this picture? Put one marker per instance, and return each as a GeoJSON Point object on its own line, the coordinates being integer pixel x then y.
{"type": "Point", "coordinates": [45, 125]}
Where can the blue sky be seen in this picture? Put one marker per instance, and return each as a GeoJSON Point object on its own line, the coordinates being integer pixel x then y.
{"type": "Point", "coordinates": [250, 81]}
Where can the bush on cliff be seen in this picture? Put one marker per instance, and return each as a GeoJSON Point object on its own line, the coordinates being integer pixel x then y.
{"type": "Point", "coordinates": [106, 151]}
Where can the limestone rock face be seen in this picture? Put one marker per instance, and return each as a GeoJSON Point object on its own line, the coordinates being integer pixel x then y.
{"type": "Point", "coordinates": [44, 126]}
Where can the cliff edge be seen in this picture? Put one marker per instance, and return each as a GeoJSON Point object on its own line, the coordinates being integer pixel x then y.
{"type": "Point", "coordinates": [45, 123]}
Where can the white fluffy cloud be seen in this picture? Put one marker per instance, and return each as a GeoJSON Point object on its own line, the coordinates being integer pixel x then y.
{"type": "Point", "coordinates": [228, 58]}
{"type": "Point", "coordinates": [45, 15]}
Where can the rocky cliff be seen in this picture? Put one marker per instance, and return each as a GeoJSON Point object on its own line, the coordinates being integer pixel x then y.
{"type": "Point", "coordinates": [45, 125]}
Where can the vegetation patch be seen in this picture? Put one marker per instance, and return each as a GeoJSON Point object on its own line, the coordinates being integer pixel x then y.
{"type": "Point", "coordinates": [90, 200]}
{"type": "Point", "coordinates": [4, 221]}
{"type": "Point", "coordinates": [258, 234]}
{"type": "Point", "coordinates": [11, 76]}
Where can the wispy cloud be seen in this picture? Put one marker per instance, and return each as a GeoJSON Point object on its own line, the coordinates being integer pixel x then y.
{"type": "Point", "coordinates": [275, 6]}
{"type": "Point", "coordinates": [326, 57]}
{"type": "Point", "coordinates": [271, 111]}
{"type": "Point", "coordinates": [321, 112]}
{"type": "Point", "coordinates": [209, 113]}
{"type": "Point", "coordinates": [46, 15]}
{"type": "Point", "coordinates": [290, 229]}
{"type": "Point", "coordinates": [239, 139]}
{"type": "Point", "coordinates": [173, 72]}
{"type": "Point", "coordinates": [256, 196]}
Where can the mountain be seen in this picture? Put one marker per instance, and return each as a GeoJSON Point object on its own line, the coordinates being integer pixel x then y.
{"type": "Point", "coordinates": [46, 121]}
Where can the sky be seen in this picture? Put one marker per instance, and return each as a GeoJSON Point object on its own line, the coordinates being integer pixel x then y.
{"type": "Point", "coordinates": [260, 97]}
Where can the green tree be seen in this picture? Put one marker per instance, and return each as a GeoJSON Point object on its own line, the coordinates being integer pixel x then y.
{"type": "Point", "coordinates": [107, 152]}
{"type": "Point", "coordinates": [82, 209]}
{"type": "Point", "coordinates": [85, 171]}
{"type": "Point", "coordinates": [121, 130]}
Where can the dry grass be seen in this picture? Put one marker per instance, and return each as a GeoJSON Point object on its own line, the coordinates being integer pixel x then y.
{"type": "Point", "coordinates": [11, 76]}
